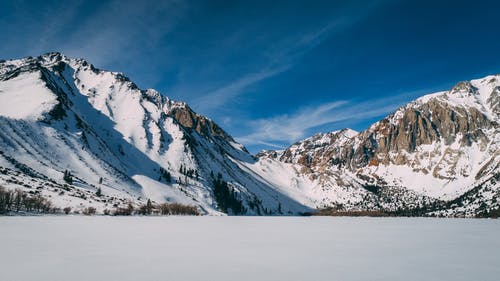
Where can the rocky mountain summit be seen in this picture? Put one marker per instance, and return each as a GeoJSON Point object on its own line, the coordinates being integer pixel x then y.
{"type": "Point", "coordinates": [440, 146]}
{"type": "Point", "coordinates": [80, 136]}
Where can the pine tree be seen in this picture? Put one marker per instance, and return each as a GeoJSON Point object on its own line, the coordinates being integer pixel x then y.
{"type": "Point", "coordinates": [68, 177]}
{"type": "Point", "coordinates": [98, 192]}
{"type": "Point", "coordinates": [149, 207]}
{"type": "Point", "coordinates": [227, 197]}
{"type": "Point", "coordinates": [165, 174]}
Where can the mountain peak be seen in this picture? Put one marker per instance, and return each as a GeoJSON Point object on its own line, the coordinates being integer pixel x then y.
{"type": "Point", "coordinates": [448, 140]}
{"type": "Point", "coordinates": [60, 115]}
{"type": "Point", "coordinates": [53, 56]}
{"type": "Point", "coordinates": [349, 133]}
{"type": "Point", "coordinates": [132, 143]}
{"type": "Point", "coordinates": [463, 87]}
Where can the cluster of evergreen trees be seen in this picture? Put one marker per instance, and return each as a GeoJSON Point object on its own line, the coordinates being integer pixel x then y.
{"type": "Point", "coordinates": [164, 174]}
{"type": "Point", "coordinates": [190, 173]}
{"type": "Point", "coordinates": [68, 177]}
{"type": "Point", "coordinates": [226, 197]}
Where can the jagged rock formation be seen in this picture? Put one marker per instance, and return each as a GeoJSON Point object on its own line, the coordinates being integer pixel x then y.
{"type": "Point", "coordinates": [440, 146]}
{"type": "Point", "coordinates": [61, 116]}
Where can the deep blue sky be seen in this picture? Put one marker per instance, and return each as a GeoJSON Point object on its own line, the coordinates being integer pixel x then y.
{"type": "Point", "coordinates": [270, 72]}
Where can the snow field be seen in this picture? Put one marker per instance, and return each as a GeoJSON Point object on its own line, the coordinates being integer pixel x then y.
{"type": "Point", "coordinates": [248, 248]}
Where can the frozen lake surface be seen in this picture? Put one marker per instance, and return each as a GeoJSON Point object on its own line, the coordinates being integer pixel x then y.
{"type": "Point", "coordinates": [248, 248]}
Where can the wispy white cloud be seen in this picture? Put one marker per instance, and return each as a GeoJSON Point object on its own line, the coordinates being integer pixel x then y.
{"type": "Point", "coordinates": [291, 127]}
{"type": "Point", "coordinates": [108, 34]}
{"type": "Point", "coordinates": [270, 144]}
{"type": "Point", "coordinates": [122, 30]}
{"type": "Point", "coordinates": [300, 124]}
{"type": "Point", "coordinates": [279, 57]}
{"type": "Point", "coordinates": [222, 95]}
{"type": "Point", "coordinates": [278, 60]}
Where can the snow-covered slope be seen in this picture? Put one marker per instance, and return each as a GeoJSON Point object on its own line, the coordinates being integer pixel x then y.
{"type": "Point", "coordinates": [429, 152]}
{"type": "Point", "coordinates": [439, 154]}
{"type": "Point", "coordinates": [59, 114]}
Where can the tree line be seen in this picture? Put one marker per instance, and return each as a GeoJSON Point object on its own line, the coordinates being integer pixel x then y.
{"type": "Point", "coordinates": [226, 196]}
{"type": "Point", "coordinates": [164, 209]}
{"type": "Point", "coordinates": [17, 201]}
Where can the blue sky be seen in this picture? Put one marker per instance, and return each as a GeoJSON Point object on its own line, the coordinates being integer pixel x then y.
{"type": "Point", "coordinates": [270, 72]}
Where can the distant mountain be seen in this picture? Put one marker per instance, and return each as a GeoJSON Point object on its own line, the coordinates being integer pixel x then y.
{"type": "Point", "coordinates": [440, 152]}
{"type": "Point", "coordinates": [80, 136]}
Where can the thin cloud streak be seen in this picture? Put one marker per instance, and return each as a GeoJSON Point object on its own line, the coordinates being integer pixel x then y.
{"type": "Point", "coordinates": [279, 62]}
{"type": "Point", "coordinates": [222, 95]}
{"type": "Point", "coordinates": [283, 56]}
{"type": "Point", "coordinates": [289, 128]}
{"type": "Point", "coordinates": [270, 144]}
{"type": "Point", "coordinates": [102, 35]}
{"type": "Point", "coordinates": [300, 124]}
{"type": "Point", "coordinates": [114, 33]}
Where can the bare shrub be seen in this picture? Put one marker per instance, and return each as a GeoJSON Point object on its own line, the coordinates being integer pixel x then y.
{"type": "Point", "coordinates": [342, 213]}
{"type": "Point", "coordinates": [129, 210]}
{"type": "Point", "coordinates": [146, 209]}
{"type": "Point", "coordinates": [178, 209]}
{"type": "Point", "coordinates": [89, 211]}
{"type": "Point", "coordinates": [19, 201]}
{"type": "Point", "coordinates": [67, 210]}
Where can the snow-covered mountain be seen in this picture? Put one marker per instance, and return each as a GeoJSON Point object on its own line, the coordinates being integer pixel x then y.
{"type": "Point", "coordinates": [60, 115]}
{"type": "Point", "coordinates": [81, 136]}
{"type": "Point", "coordinates": [440, 152]}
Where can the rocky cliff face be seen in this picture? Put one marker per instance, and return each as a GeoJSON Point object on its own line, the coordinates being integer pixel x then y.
{"type": "Point", "coordinates": [440, 146]}
{"type": "Point", "coordinates": [437, 155]}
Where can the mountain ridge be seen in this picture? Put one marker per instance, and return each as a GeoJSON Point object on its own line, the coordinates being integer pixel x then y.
{"type": "Point", "coordinates": [448, 140]}
{"type": "Point", "coordinates": [135, 134]}
{"type": "Point", "coordinates": [59, 114]}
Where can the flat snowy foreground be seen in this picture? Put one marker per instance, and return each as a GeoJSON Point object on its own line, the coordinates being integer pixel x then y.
{"type": "Point", "coordinates": [248, 248]}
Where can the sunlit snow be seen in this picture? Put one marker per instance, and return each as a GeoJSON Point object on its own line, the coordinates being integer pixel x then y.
{"type": "Point", "coordinates": [248, 248]}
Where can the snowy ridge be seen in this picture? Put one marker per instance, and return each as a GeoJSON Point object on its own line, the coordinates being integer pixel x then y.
{"type": "Point", "coordinates": [439, 154]}
{"type": "Point", "coordinates": [481, 93]}
{"type": "Point", "coordinates": [435, 149]}
{"type": "Point", "coordinates": [111, 135]}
